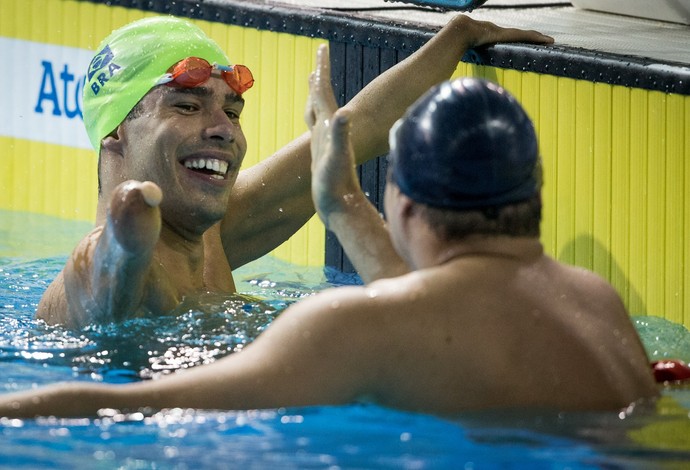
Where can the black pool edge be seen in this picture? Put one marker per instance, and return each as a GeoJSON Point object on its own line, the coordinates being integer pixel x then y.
{"type": "Point", "coordinates": [560, 61]}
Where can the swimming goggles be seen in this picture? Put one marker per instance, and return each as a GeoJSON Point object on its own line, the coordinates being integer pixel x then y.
{"type": "Point", "coordinates": [193, 71]}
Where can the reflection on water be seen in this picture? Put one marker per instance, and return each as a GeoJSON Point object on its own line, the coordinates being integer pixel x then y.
{"type": "Point", "coordinates": [145, 347]}
{"type": "Point", "coordinates": [357, 436]}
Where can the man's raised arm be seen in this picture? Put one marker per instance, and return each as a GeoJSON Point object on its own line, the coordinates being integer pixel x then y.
{"type": "Point", "coordinates": [272, 200]}
{"type": "Point", "coordinates": [336, 192]}
{"type": "Point", "coordinates": [337, 195]}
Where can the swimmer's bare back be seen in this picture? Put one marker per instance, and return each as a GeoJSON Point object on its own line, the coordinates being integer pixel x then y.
{"type": "Point", "coordinates": [497, 331]}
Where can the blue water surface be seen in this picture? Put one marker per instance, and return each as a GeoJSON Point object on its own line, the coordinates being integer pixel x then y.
{"type": "Point", "coordinates": [33, 250]}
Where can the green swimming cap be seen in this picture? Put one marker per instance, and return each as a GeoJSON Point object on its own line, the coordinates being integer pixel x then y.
{"type": "Point", "coordinates": [131, 61]}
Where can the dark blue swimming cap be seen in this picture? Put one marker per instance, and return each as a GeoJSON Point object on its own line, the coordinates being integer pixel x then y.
{"type": "Point", "coordinates": [465, 144]}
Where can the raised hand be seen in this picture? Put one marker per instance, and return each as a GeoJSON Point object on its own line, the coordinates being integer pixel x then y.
{"type": "Point", "coordinates": [334, 180]}
{"type": "Point", "coordinates": [479, 33]}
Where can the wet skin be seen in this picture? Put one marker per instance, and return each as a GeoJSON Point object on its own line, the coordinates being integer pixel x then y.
{"type": "Point", "coordinates": [150, 250]}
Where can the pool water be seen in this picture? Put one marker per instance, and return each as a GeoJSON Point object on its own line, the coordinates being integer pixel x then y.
{"type": "Point", "coordinates": [33, 250]}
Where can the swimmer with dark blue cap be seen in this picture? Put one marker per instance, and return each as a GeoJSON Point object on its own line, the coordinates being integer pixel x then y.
{"type": "Point", "coordinates": [466, 144]}
{"type": "Point", "coordinates": [462, 307]}
{"type": "Point", "coordinates": [485, 320]}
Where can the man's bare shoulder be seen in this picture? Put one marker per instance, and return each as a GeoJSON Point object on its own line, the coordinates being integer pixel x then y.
{"type": "Point", "coordinates": [355, 299]}
{"type": "Point", "coordinates": [590, 286]}
{"type": "Point", "coordinates": [356, 309]}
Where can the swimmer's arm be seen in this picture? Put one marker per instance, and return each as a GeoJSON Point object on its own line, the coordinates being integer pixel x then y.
{"type": "Point", "coordinates": [302, 359]}
{"type": "Point", "coordinates": [337, 195]}
{"type": "Point", "coordinates": [272, 200]}
{"type": "Point", "coordinates": [104, 278]}
{"type": "Point", "coordinates": [376, 108]}
{"type": "Point", "coordinates": [365, 238]}
{"type": "Point", "coordinates": [336, 192]}
{"type": "Point", "coordinates": [268, 204]}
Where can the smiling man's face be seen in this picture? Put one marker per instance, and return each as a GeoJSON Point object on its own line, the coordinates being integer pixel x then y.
{"type": "Point", "coordinates": [188, 141]}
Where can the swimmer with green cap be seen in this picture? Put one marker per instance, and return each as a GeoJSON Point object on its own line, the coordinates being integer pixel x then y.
{"type": "Point", "coordinates": [175, 216]}
{"type": "Point", "coordinates": [482, 320]}
{"type": "Point", "coordinates": [130, 62]}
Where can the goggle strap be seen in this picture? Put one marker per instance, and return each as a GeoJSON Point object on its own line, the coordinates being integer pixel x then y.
{"type": "Point", "coordinates": [225, 68]}
{"type": "Point", "coordinates": [167, 78]}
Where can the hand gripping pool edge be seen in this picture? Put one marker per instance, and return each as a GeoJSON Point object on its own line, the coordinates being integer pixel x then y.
{"type": "Point", "coordinates": [458, 5]}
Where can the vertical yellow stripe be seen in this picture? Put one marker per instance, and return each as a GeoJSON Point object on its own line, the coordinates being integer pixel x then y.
{"type": "Point", "coordinates": [65, 190]}
{"type": "Point", "coordinates": [284, 128]}
{"type": "Point", "coordinates": [267, 143]}
{"type": "Point", "coordinates": [47, 179]}
{"type": "Point", "coordinates": [71, 173]}
{"type": "Point", "coordinates": [601, 143]}
{"type": "Point", "coordinates": [305, 62]}
{"type": "Point", "coordinates": [7, 173]}
{"type": "Point", "coordinates": [279, 58]}
{"type": "Point", "coordinates": [268, 43]}
{"type": "Point", "coordinates": [317, 238]}
{"type": "Point", "coordinates": [51, 33]}
{"type": "Point", "coordinates": [656, 210]}
{"type": "Point", "coordinates": [284, 103]}
{"type": "Point", "coordinates": [86, 33]}
{"type": "Point", "coordinates": [530, 97]}
{"type": "Point", "coordinates": [686, 218]}
{"type": "Point", "coordinates": [548, 137]}
{"type": "Point", "coordinates": [85, 165]}
{"type": "Point", "coordinates": [9, 19]}
{"type": "Point", "coordinates": [21, 149]}
{"type": "Point", "coordinates": [676, 127]}
{"type": "Point", "coordinates": [120, 16]}
{"type": "Point", "coordinates": [37, 24]}
{"type": "Point", "coordinates": [634, 218]}
{"type": "Point", "coordinates": [251, 54]}
{"type": "Point", "coordinates": [47, 166]}
{"type": "Point", "coordinates": [512, 81]}
{"type": "Point", "coordinates": [565, 183]}
{"type": "Point", "coordinates": [584, 174]}
{"type": "Point", "coordinates": [219, 33]}
{"type": "Point", "coordinates": [620, 155]}
{"type": "Point", "coordinates": [7, 143]}
{"type": "Point", "coordinates": [464, 70]}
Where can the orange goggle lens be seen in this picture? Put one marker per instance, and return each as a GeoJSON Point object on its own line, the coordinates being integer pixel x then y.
{"type": "Point", "coordinates": [193, 71]}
